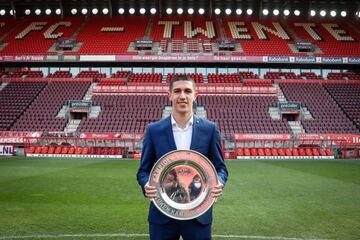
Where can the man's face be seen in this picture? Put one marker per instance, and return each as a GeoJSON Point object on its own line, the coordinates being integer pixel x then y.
{"type": "Point", "coordinates": [182, 96]}
{"type": "Point", "coordinates": [169, 181]}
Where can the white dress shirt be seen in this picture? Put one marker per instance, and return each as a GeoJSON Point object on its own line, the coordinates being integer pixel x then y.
{"type": "Point", "coordinates": [182, 136]}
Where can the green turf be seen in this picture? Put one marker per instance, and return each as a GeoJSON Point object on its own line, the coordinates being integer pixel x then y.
{"type": "Point", "coordinates": [300, 199]}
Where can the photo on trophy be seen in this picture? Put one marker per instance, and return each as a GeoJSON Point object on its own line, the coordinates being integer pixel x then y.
{"type": "Point", "coordinates": [182, 184]}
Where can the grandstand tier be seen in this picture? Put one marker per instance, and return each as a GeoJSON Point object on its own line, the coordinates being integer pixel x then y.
{"type": "Point", "coordinates": [250, 36]}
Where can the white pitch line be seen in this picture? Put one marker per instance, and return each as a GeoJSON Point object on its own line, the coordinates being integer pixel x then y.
{"type": "Point", "coordinates": [263, 237]}
{"type": "Point", "coordinates": [126, 235]}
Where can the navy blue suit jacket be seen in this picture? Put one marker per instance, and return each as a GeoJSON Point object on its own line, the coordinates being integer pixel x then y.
{"type": "Point", "coordinates": [159, 140]}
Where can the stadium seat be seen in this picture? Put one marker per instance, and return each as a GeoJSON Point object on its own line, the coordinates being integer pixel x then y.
{"type": "Point", "coordinates": [85, 150]}
{"type": "Point", "coordinates": [51, 149]}
{"type": "Point", "coordinates": [274, 152]}
{"type": "Point", "coordinates": [253, 152]}
{"type": "Point", "coordinates": [261, 152]}
{"type": "Point", "coordinates": [315, 152]}
{"type": "Point", "coordinates": [281, 152]}
{"type": "Point", "coordinates": [78, 150]}
{"type": "Point", "coordinates": [247, 152]}
{"type": "Point", "coordinates": [58, 150]}
{"type": "Point", "coordinates": [45, 150]}
{"type": "Point", "coordinates": [65, 150]}
{"type": "Point", "coordinates": [71, 150]}
{"type": "Point", "coordinates": [268, 152]}
{"type": "Point", "coordinates": [288, 152]}
{"type": "Point", "coordinates": [38, 149]}
{"type": "Point", "coordinates": [295, 152]}
{"type": "Point", "coordinates": [329, 152]}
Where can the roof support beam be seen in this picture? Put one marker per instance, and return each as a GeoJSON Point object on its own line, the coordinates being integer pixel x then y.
{"type": "Point", "coordinates": [110, 9]}
{"type": "Point", "coordinates": [13, 8]}
{"type": "Point", "coordinates": [61, 9]}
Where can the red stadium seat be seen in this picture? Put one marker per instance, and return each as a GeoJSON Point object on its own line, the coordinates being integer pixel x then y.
{"type": "Point", "coordinates": [85, 150]}
{"type": "Point", "coordinates": [329, 152]}
{"type": "Point", "coordinates": [315, 152]}
{"type": "Point", "coordinates": [302, 152]}
{"type": "Point", "coordinates": [253, 152]}
{"type": "Point", "coordinates": [308, 152]}
{"type": "Point", "coordinates": [58, 150]}
{"type": "Point", "coordinates": [240, 151]}
{"type": "Point", "coordinates": [288, 152]}
{"type": "Point", "coordinates": [78, 150]}
{"type": "Point", "coordinates": [281, 152]}
{"type": "Point", "coordinates": [268, 152]}
{"type": "Point", "coordinates": [65, 150]}
{"type": "Point", "coordinates": [247, 151]}
{"type": "Point", "coordinates": [31, 149]}
{"type": "Point", "coordinates": [51, 149]}
{"type": "Point", "coordinates": [261, 152]}
{"type": "Point", "coordinates": [45, 150]}
{"type": "Point", "coordinates": [71, 150]}
{"type": "Point", "coordinates": [274, 152]}
{"type": "Point", "coordinates": [38, 149]}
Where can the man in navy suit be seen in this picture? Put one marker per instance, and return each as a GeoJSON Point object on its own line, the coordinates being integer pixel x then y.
{"type": "Point", "coordinates": [182, 130]}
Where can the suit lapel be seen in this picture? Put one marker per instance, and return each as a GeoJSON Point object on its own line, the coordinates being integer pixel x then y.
{"type": "Point", "coordinates": [194, 138]}
{"type": "Point", "coordinates": [170, 134]}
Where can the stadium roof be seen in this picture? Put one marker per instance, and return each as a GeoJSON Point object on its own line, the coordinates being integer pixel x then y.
{"type": "Point", "coordinates": [19, 6]}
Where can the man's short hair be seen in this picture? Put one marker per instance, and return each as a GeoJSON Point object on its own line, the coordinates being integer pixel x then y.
{"type": "Point", "coordinates": [181, 78]}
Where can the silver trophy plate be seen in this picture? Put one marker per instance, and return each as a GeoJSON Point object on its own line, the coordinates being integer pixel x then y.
{"type": "Point", "coordinates": [184, 180]}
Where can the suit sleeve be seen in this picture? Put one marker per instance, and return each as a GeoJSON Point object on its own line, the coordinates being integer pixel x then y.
{"type": "Point", "coordinates": [147, 159]}
{"type": "Point", "coordinates": [217, 157]}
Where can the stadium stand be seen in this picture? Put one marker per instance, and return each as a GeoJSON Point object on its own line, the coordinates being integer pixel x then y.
{"type": "Point", "coordinates": [243, 114]}
{"type": "Point", "coordinates": [96, 41]}
{"type": "Point", "coordinates": [328, 116]}
{"type": "Point", "coordinates": [60, 74]}
{"type": "Point", "coordinates": [246, 67]}
{"type": "Point", "coordinates": [347, 96]}
{"type": "Point", "coordinates": [36, 35]}
{"type": "Point", "coordinates": [124, 113]}
{"type": "Point", "coordinates": [15, 99]}
{"type": "Point", "coordinates": [41, 115]}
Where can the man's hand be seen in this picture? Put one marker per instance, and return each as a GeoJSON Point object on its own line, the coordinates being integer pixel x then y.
{"type": "Point", "coordinates": [150, 191]}
{"type": "Point", "coordinates": [217, 191]}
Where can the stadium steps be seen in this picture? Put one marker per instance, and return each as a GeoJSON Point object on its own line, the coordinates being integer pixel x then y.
{"type": "Point", "coordinates": [205, 78]}
{"type": "Point", "coordinates": [148, 29]}
{"type": "Point", "coordinates": [274, 113]}
{"type": "Point", "coordinates": [221, 28]}
{"type": "Point", "coordinates": [280, 94]}
{"type": "Point", "coordinates": [94, 111]}
{"type": "Point", "coordinates": [289, 30]}
{"type": "Point", "coordinates": [201, 112]}
{"type": "Point", "coordinates": [167, 111]}
{"type": "Point", "coordinates": [76, 33]}
{"type": "Point", "coordinates": [131, 47]}
{"type": "Point", "coordinates": [3, 85]}
{"type": "Point", "coordinates": [296, 127]}
{"type": "Point", "coordinates": [185, 47]}
{"type": "Point", "coordinates": [89, 94]}
{"type": "Point", "coordinates": [305, 114]}
{"type": "Point", "coordinates": [238, 48]}
{"type": "Point", "coordinates": [72, 125]}
{"type": "Point", "coordinates": [63, 111]}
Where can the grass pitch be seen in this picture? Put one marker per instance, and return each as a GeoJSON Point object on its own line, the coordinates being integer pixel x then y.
{"type": "Point", "coordinates": [79, 198]}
